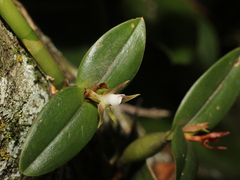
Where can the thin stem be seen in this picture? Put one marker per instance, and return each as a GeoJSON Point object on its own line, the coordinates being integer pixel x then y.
{"type": "Point", "coordinates": [26, 34]}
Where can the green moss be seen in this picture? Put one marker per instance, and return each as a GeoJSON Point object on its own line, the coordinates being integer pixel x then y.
{"type": "Point", "coordinates": [23, 93]}
{"type": "Point", "coordinates": [4, 155]}
{"type": "Point", "coordinates": [2, 126]}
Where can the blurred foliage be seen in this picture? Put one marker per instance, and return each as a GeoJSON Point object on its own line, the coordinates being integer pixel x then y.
{"type": "Point", "coordinates": [183, 39]}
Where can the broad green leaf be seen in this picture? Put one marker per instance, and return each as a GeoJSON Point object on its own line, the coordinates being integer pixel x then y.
{"type": "Point", "coordinates": [185, 158]}
{"type": "Point", "coordinates": [210, 98]}
{"type": "Point", "coordinates": [191, 164]}
{"type": "Point", "coordinates": [184, 155]}
{"type": "Point", "coordinates": [179, 149]}
{"type": "Point", "coordinates": [115, 57]}
{"type": "Point", "coordinates": [63, 127]}
{"type": "Point", "coordinates": [144, 147]}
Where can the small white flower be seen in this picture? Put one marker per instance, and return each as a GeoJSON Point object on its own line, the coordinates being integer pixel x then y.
{"type": "Point", "coordinates": [106, 98]}
{"type": "Point", "coordinates": [113, 99]}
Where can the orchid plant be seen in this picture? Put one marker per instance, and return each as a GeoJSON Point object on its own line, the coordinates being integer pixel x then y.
{"type": "Point", "coordinates": [70, 119]}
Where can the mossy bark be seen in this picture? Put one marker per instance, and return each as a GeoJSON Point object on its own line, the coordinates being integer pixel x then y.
{"type": "Point", "coordinates": [23, 92]}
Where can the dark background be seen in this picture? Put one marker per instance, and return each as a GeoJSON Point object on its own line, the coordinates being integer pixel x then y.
{"type": "Point", "coordinates": [184, 38]}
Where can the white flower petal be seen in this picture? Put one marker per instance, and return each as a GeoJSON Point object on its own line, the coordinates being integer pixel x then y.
{"type": "Point", "coordinates": [113, 99]}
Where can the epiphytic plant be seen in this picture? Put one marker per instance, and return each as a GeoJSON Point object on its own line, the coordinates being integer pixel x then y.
{"type": "Point", "coordinates": [70, 119]}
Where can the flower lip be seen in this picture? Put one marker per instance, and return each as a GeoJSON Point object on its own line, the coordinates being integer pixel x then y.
{"type": "Point", "coordinates": [113, 99]}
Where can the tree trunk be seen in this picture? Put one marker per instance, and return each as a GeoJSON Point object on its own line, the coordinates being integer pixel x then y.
{"type": "Point", "coordinates": [23, 92]}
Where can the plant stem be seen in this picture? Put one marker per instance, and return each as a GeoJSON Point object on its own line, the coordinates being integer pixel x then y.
{"type": "Point", "coordinates": [26, 34]}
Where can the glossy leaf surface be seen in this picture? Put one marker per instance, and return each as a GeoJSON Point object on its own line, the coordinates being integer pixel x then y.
{"type": "Point", "coordinates": [179, 148]}
{"type": "Point", "coordinates": [63, 127]}
{"type": "Point", "coordinates": [191, 164]}
{"type": "Point", "coordinates": [115, 57]}
{"type": "Point", "coordinates": [213, 94]}
{"type": "Point", "coordinates": [184, 156]}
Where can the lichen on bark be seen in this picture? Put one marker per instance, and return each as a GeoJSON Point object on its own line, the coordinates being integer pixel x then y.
{"type": "Point", "coordinates": [23, 92]}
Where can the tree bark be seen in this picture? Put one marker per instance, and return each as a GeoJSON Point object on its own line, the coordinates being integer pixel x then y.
{"type": "Point", "coordinates": [23, 92]}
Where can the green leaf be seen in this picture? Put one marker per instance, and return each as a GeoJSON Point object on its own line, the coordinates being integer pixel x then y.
{"type": "Point", "coordinates": [179, 149]}
{"type": "Point", "coordinates": [210, 98]}
{"type": "Point", "coordinates": [63, 127]}
{"type": "Point", "coordinates": [144, 147]}
{"type": "Point", "coordinates": [191, 164]}
{"type": "Point", "coordinates": [115, 57]}
{"type": "Point", "coordinates": [184, 156]}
